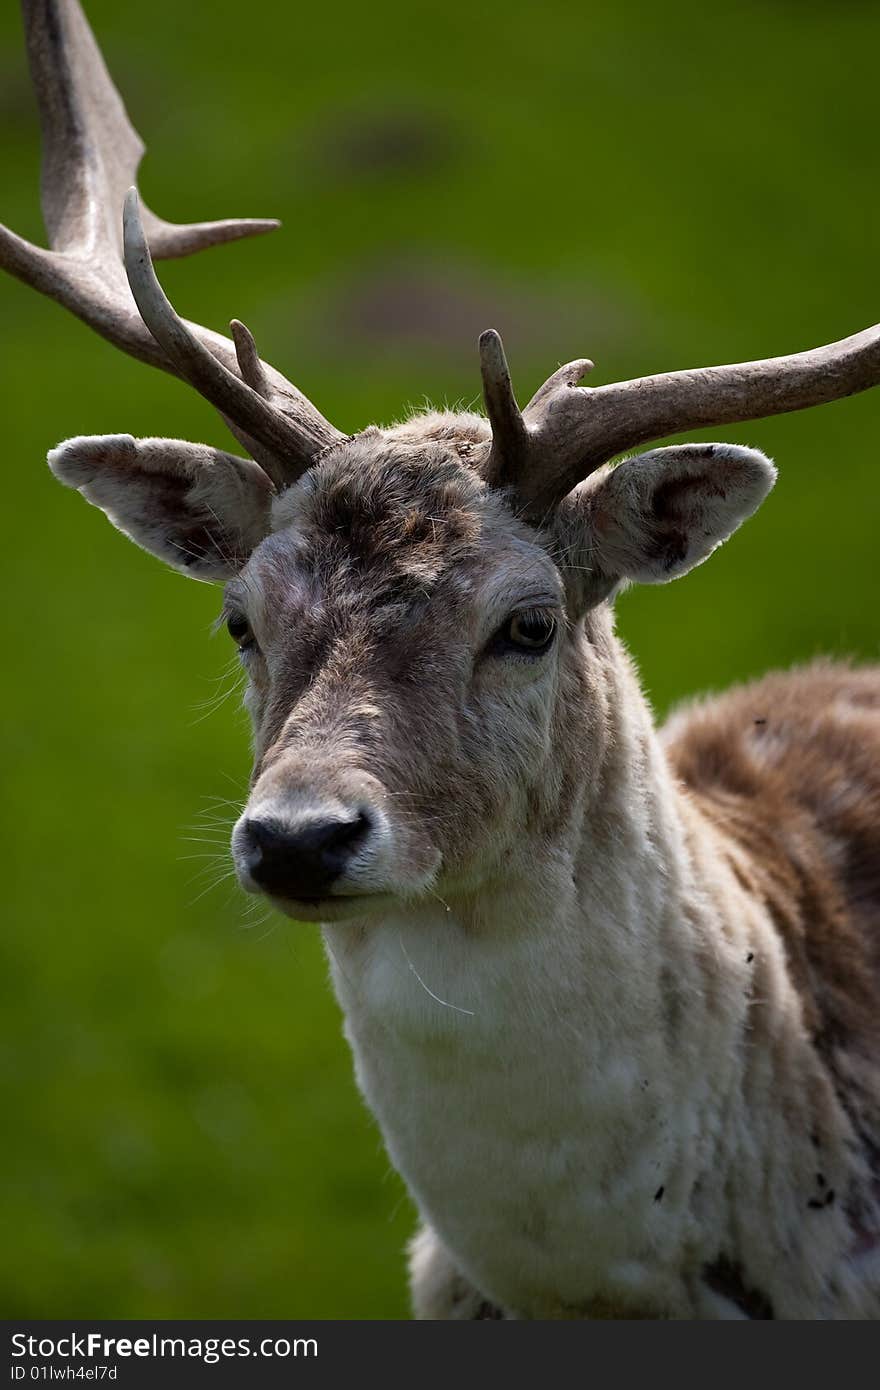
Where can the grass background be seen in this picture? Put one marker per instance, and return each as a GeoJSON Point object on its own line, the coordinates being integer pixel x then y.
{"type": "Point", "coordinates": [652, 186]}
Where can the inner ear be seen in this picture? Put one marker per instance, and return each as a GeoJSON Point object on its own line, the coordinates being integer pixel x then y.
{"type": "Point", "coordinates": [657, 515]}
{"type": "Point", "coordinates": [197, 508]}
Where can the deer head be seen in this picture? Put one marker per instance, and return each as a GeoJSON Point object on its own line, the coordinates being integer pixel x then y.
{"type": "Point", "coordinates": [420, 608]}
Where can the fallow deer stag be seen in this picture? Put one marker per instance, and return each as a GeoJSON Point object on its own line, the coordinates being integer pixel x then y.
{"type": "Point", "coordinates": [612, 993]}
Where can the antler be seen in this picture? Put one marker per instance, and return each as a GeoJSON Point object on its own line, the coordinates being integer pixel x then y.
{"type": "Point", "coordinates": [566, 432]}
{"type": "Point", "coordinates": [91, 155]}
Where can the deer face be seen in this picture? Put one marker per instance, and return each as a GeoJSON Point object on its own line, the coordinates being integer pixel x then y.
{"type": "Point", "coordinates": [426, 670]}
{"type": "Point", "coordinates": [401, 633]}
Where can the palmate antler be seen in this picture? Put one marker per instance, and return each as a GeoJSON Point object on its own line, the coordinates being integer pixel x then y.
{"type": "Point", "coordinates": [566, 432]}
{"type": "Point", "coordinates": [91, 155]}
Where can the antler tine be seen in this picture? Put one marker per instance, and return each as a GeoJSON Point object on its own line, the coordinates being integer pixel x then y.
{"type": "Point", "coordinates": [573, 430]}
{"type": "Point", "coordinates": [510, 441]}
{"type": "Point", "coordinates": [91, 151]}
{"type": "Point", "coordinates": [91, 155]}
{"type": "Point", "coordinates": [285, 438]}
{"type": "Point", "coordinates": [170, 240]}
{"type": "Point", "coordinates": [249, 363]}
{"type": "Point", "coordinates": [514, 434]}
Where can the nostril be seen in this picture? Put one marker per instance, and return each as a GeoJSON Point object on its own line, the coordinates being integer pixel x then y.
{"type": "Point", "coordinates": [333, 842]}
{"type": "Point", "coordinates": [354, 832]}
{"type": "Point", "coordinates": [264, 838]}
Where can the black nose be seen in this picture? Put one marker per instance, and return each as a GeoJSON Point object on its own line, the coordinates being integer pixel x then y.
{"type": "Point", "coordinates": [304, 861]}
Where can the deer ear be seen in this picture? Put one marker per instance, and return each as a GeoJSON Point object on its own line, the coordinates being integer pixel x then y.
{"type": "Point", "coordinates": [199, 509]}
{"type": "Point", "coordinates": [657, 515]}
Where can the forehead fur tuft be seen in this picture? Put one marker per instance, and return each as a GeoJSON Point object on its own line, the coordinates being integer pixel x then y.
{"type": "Point", "coordinates": [407, 501]}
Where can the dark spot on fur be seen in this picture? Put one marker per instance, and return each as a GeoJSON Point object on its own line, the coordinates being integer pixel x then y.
{"type": "Point", "coordinates": [820, 1179]}
{"type": "Point", "coordinates": [658, 1195]}
{"type": "Point", "coordinates": [725, 1277]}
{"type": "Point", "coordinates": [670, 995]}
{"type": "Point", "coordinates": [488, 1310]}
{"type": "Point", "coordinates": [750, 957]}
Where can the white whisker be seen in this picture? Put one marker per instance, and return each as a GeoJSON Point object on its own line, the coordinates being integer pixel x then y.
{"type": "Point", "coordinates": [444, 1002]}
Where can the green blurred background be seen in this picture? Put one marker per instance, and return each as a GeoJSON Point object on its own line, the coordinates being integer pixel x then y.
{"type": "Point", "coordinates": [653, 186]}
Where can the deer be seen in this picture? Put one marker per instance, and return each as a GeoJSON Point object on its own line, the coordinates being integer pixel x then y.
{"type": "Point", "coordinates": [612, 991]}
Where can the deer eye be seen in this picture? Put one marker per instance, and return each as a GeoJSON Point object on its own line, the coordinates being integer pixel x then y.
{"type": "Point", "coordinates": [239, 630]}
{"type": "Point", "coordinates": [531, 630]}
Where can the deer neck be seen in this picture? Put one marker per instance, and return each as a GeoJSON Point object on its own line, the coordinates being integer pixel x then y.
{"type": "Point", "coordinates": [561, 1051]}
{"type": "Point", "coordinates": [604, 904]}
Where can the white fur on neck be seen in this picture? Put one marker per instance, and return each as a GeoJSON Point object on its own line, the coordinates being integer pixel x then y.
{"type": "Point", "coordinates": [569, 1139]}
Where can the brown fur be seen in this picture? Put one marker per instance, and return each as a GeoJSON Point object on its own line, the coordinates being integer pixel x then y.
{"type": "Point", "coordinates": [788, 770]}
